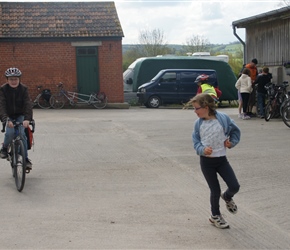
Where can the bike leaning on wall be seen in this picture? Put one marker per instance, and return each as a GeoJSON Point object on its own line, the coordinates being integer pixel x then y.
{"type": "Point", "coordinates": [58, 100]}
{"type": "Point", "coordinates": [277, 96]}
{"type": "Point", "coordinates": [43, 98]}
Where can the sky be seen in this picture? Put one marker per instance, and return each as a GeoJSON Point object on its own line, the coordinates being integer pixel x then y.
{"type": "Point", "coordinates": [181, 20]}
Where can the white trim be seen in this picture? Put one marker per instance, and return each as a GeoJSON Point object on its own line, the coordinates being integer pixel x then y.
{"type": "Point", "coordinates": [84, 44]}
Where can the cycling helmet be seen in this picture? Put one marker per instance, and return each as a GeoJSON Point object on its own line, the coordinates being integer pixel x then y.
{"type": "Point", "coordinates": [201, 78]}
{"type": "Point", "coordinates": [13, 72]}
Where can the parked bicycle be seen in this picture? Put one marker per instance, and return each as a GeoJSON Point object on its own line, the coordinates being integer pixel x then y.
{"type": "Point", "coordinates": [43, 98]}
{"type": "Point", "coordinates": [58, 100]}
{"type": "Point", "coordinates": [286, 114]}
{"type": "Point", "coordinates": [277, 96]}
{"type": "Point", "coordinates": [16, 154]}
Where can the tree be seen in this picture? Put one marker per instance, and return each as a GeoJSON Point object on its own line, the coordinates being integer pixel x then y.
{"type": "Point", "coordinates": [196, 44]}
{"type": "Point", "coordinates": [151, 43]}
{"type": "Point", "coordinates": [286, 2]}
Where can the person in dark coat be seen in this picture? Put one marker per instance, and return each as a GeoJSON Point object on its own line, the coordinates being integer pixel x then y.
{"type": "Point", "coordinates": [15, 105]}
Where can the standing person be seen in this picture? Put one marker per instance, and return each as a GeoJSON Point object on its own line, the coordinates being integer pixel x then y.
{"type": "Point", "coordinates": [261, 81]}
{"type": "Point", "coordinates": [244, 86]}
{"type": "Point", "coordinates": [252, 66]}
{"type": "Point", "coordinates": [240, 107]}
{"type": "Point", "coordinates": [213, 133]}
{"type": "Point", "coordinates": [15, 105]}
{"type": "Point", "coordinates": [206, 87]}
{"type": "Point", "coordinates": [240, 100]}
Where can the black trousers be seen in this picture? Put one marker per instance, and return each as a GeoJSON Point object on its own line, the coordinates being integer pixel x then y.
{"type": "Point", "coordinates": [210, 168]}
{"type": "Point", "coordinates": [245, 98]}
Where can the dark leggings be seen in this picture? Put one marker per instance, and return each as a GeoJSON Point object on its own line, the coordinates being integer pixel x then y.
{"type": "Point", "coordinates": [210, 167]}
{"type": "Point", "coordinates": [245, 98]}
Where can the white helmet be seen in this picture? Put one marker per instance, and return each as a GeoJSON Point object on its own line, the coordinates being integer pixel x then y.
{"type": "Point", "coordinates": [13, 72]}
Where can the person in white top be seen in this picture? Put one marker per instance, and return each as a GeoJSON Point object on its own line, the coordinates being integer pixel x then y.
{"type": "Point", "coordinates": [244, 85]}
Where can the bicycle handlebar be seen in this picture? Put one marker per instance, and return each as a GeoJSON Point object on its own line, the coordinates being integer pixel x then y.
{"type": "Point", "coordinates": [275, 86]}
{"type": "Point", "coordinates": [60, 85]}
{"type": "Point", "coordinates": [32, 123]}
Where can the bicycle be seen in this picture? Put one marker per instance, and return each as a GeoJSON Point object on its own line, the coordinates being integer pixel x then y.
{"type": "Point", "coordinates": [16, 154]}
{"type": "Point", "coordinates": [277, 96]}
{"type": "Point", "coordinates": [286, 114]}
{"type": "Point", "coordinates": [42, 99]}
{"type": "Point", "coordinates": [58, 100]}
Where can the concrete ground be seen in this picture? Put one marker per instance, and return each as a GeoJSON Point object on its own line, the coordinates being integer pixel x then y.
{"type": "Point", "coordinates": [130, 179]}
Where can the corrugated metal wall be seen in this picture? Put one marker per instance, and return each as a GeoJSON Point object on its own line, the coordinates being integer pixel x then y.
{"type": "Point", "coordinates": [269, 42]}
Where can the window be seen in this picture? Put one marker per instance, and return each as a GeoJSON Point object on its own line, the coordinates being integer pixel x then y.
{"type": "Point", "coordinates": [168, 77]}
{"type": "Point", "coordinates": [83, 51]}
{"type": "Point", "coordinates": [188, 76]}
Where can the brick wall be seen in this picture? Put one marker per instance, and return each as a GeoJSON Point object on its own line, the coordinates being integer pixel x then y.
{"type": "Point", "coordinates": [111, 72]}
{"type": "Point", "coordinates": [48, 63]}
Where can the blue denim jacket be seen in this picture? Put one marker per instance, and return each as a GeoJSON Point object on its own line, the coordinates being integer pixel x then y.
{"type": "Point", "coordinates": [231, 131]}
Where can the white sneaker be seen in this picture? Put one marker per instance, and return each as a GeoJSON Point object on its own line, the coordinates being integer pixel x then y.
{"type": "Point", "coordinates": [240, 116]}
{"type": "Point", "coordinates": [218, 221]}
{"type": "Point", "coordinates": [231, 205]}
{"type": "Point", "coordinates": [246, 117]}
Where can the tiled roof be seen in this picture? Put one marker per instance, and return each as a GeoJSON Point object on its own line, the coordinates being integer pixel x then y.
{"type": "Point", "coordinates": [59, 19]}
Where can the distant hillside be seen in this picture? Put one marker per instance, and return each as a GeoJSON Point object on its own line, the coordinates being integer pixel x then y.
{"type": "Point", "coordinates": [231, 48]}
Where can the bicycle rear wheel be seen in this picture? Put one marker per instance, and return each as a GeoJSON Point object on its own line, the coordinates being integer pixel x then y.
{"type": "Point", "coordinates": [57, 101]}
{"type": "Point", "coordinates": [100, 101]}
{"type": "Point", "coordinates": [43, 103]}
{"type": "Point", "coordinates": [286, 115]}
{"type": "Point", "coordinates": [19, 165]}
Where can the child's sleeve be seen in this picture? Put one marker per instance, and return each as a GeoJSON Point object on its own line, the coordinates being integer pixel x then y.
{"type": "Point", "coordinates": [234, 133]}
{"type": "Point", "coordinates": [197, 145]}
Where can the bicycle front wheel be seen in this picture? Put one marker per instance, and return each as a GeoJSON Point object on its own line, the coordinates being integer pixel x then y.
{"type": "Point", "coordinates": [43, 102]}
{"type": "Point", "coordinates": [286, 115]}
{"type": "Point", "coordinates": [19, 165]}
{"type": "Point", "coordinates": [268, 111]}
{"type": "Point", "coordinates": [57, 101]}
{"type": "Point", "coordinates": [100, 101]}
{"type": "Point", "coordinates": [285, 103]}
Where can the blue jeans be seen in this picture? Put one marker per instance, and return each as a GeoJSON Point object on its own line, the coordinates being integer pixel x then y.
{"type": "Point", "coordinates": [261, 103]}
{"type": "Point", "coordinates": [9, 135]}
{"type": "Point", "coordinates": [210, 167]}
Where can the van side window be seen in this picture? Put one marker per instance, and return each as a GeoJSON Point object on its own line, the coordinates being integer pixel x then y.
{"type": "Point", "coordinates": [213, 79]}
{"type": "Point", "coordinates": [168, 77]}
{"type": "Point", "coordinates": [188, 77]}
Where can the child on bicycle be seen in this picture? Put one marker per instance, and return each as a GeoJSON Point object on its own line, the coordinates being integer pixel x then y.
{"type": "Point", "coordinates": [15, 105]}
{"type": "Point", "coordinates": [213, 133]}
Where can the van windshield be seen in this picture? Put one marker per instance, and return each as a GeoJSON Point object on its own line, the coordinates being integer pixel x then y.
{"type": "Point", "coordinates": [157, 76]}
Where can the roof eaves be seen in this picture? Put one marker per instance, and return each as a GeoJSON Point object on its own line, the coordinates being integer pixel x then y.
{"type": "Point", "coordinates": [282, 13]}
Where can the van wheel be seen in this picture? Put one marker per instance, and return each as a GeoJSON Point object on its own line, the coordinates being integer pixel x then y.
{"type": "Point", "coordinates": [153, 102]}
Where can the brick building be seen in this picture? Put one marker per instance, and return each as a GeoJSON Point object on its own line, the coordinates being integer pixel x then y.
{"type": "Point", "coordinates": [77, 43]}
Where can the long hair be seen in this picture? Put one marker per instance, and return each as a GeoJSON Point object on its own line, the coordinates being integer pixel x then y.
{"type": "Point", "coordinates": [204, 100]}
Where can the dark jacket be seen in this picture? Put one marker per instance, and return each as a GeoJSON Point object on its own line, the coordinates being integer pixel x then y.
{"type": "Point", "coordinates": [15, 102]}
{"type": "Point", "coordinates": [261, 81]}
